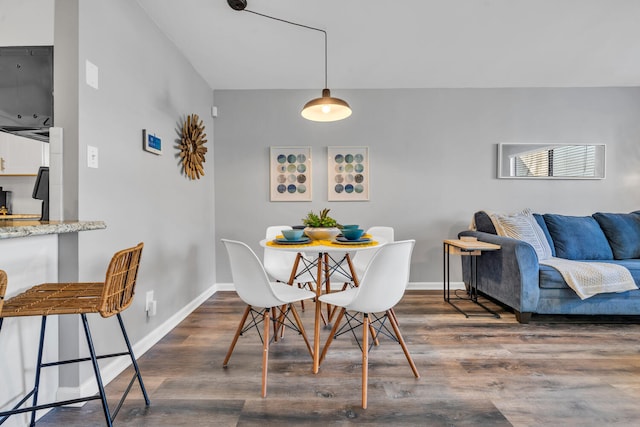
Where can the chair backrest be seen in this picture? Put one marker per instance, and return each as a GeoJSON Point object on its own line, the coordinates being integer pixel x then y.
{"type": "Point", "coordinates": [274, 230]}
{"type": "Point", "coordinates": [386, 233]}
{"type": "Point", "coordinates": [120, 281]}
{"type": "Point", "coordinates": [277, 261]}
{"type": "Point", "coordinates": [363, 258]}
{"type": "Point", "coordinates": [3, 287]}
{"type": "Point", "coordinates": [385, 279]}
{"type": "Point", "coordinates": [249, 276]}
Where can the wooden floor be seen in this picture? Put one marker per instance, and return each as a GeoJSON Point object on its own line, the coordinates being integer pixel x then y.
{"type": "Point", "coordinates": [478, 371]}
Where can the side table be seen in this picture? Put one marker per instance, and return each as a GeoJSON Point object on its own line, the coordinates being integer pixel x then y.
{"type": "Point", "coordinates": [473, 249]}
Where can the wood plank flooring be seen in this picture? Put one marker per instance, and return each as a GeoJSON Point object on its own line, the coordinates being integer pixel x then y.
{"type": "Point", "coordinates": [478, 371]}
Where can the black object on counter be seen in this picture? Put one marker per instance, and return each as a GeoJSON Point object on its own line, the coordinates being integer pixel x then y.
{"type": "Point", "coordinates": [5, 202]}
{"type": "Point", "coordinates": [41, 191]}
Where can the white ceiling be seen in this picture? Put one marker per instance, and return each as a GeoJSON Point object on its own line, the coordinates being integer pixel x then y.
{"type": "Point", "coordinates": [407, 44]}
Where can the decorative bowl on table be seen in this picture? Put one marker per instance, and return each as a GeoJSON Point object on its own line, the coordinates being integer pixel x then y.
{"type": "Point", "coordinates": [352, 233]}
{"type": "Point", "coordinates": [293, 234]}
{"type": "Point", "coordinates": [322, 233]}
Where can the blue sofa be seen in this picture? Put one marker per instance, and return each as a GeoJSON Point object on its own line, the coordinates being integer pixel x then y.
{"type": "Point", "coordinates": [513, 276]}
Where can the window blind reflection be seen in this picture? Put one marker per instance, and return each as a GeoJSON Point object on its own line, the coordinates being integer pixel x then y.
{"type": "Point", "coordinates": [561, 161]}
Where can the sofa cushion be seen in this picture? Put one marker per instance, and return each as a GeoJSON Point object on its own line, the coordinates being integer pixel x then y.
{"type": "Point", "coordinates": [622, 231]}
{"type": "Point", "coordinates": [578, 237]}
{"type": "Point", "coordinates": [523, 226]}
{"type": "Point", "coordinates": [483, 222]}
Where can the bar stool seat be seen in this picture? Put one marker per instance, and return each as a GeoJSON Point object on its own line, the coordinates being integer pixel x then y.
{"type": "Point", "coordinates": [107, 298]}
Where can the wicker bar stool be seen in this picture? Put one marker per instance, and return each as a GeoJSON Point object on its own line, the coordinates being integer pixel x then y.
{"type": "Point", "coordinates": [107, 298]}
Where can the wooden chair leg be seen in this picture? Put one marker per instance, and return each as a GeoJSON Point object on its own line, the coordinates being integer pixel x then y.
{"type": "Point", "coordinates": [365, 359]}
{"type": "Point", "coordinates": [332, 310]}
{"type": "Point", "coordinates": [301, 328]}
{"type": "Point", "coordinates": [331, 335]}
{"type": "Point", "coordinates": [265, 352]}
{"type": "Point", "coordinates": [237, 335]}
{"type": "Point", "coordinates": [278, 322]}
{"type": "Point", "coordinates": [374, 336]}
{"type": "Point", "coordinates": [396, 329]}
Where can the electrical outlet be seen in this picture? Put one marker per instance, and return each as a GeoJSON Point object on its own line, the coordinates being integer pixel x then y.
{"type": "Point", "coordinates": [92, 156]}
{"type": "Point", "coordinates": [150, 305]}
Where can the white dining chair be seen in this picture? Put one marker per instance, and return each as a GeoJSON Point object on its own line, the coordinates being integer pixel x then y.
{"type": "Point", "coordinates": [262, 297]}
{"type": "Point", "coordinates": [361, 259]}
{"type": "Point", "coordinates": [279, 264]}
{"type": "Point", "coordinates": [382, 286]}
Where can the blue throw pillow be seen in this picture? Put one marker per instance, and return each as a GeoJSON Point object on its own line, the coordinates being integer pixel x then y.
{"type": "Point", "coordinates": [577, 237]}
{"type": "Point", "coordinates": [623, 233]}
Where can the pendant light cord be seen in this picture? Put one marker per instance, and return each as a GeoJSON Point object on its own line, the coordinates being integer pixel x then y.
{"type": "Point", "coordinates": [303, 26]}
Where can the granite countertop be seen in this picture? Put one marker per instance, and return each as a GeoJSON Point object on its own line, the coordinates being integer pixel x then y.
{"type": "Point", "coordinates": [10, 229]}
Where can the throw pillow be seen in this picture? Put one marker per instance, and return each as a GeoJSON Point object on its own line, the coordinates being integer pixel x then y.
{"type": "Point", "coordinates": [623, 233]}
{"type": "Point", "coordinates": [483, 222]}
{"type": "Point", "coordinates": [577, 237]}
{"type": "Point", "coordinates": [523, 226]}
{"type": "Point", "coordinates": [543, 226]}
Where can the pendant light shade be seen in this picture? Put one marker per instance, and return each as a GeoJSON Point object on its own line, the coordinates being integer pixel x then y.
{"type": "Point", "coordinates": [326, 109]}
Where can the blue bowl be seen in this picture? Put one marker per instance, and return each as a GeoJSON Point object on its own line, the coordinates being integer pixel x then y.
{"type": "Point", "coordinates": [352, 233]}
{"type": "Point", "coordinates": [292, 234]}
{"type": "Point", "coordinates": [350, 226]}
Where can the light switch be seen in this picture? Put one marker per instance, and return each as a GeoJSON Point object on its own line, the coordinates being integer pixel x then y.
{"type": "Point", "coordinates": [92, 156]}
{"type": "Point", "coordinates": [91, 71]}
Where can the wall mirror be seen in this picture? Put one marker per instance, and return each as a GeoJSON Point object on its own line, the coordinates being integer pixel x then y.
{"type": "Point", "coordinates": [551, 161]}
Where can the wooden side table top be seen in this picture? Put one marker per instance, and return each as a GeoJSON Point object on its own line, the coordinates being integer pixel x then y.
{"type": "Point", "coordinates": [472, 245]}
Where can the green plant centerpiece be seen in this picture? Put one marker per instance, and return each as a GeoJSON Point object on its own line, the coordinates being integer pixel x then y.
{"type": "Point", "coordinates": [321, 226]}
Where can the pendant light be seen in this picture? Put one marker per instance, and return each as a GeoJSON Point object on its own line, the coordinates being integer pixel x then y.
{"type": "Point", "coordinates": [325, 108]}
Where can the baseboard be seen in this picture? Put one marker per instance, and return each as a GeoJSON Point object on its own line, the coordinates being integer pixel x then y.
{"type": "Point", "coordinates": [432, 286]}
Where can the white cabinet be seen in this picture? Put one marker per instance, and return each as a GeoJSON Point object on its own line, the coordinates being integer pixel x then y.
{"type": "Point", "coordinates": [21, 156]}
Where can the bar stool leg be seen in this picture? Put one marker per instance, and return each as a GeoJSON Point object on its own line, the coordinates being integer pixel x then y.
{"type": "Point", "coordinates": [96, 370]}
{"type": "Point", "coordinates": [133, 361]}
{"type": "Point", "coordinates": [36, 388]}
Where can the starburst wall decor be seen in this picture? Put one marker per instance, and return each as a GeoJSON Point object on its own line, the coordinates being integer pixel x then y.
{"type": "Point", "coordinates": [192, 149]}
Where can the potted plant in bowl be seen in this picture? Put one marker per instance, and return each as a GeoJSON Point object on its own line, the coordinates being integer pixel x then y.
{"type": "Point", "coordinates": [322, 226]}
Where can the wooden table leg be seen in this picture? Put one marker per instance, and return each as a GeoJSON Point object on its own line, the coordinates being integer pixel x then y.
{"type": "Point", "coordinates": [327, 284]}
{"type": "Point", "coordinates": [316, 329]}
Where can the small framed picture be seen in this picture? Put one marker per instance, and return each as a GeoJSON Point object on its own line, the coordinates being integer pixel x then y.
{"type": "Point", "coordinates": [348, 173]}
{"type": "Point", "coordinates": [151, 143]}
{"type": "Point", "coordinates": [290, 174]}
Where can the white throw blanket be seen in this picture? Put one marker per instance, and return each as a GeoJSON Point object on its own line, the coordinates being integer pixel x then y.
{"type": "Point", "coordinates": [590, 278]}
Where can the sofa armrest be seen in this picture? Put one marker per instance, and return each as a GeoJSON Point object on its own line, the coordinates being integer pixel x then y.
{"type": "Point", "coordinates": [510, 275]}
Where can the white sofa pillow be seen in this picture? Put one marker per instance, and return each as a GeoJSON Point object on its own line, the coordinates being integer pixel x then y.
{"type": "Point", "coordinates": [522, 226]}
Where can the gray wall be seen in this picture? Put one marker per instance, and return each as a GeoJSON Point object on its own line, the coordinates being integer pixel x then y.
{"type": "Point", "coordinates": [144, 83]}
{"type": "Point", "coordinates": [432, 155]}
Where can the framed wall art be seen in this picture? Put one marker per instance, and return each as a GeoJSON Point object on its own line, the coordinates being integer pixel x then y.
{"type": "Point", "coordinates": [290, 174]}
{"type": "Point", "coordinates": [348, 173]}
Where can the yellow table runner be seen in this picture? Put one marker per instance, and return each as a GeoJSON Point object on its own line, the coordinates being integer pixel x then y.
{"type": "Point", "coordinates": [322, 243]}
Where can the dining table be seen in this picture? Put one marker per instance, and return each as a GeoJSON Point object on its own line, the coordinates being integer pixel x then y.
{"type": "Point", "coordinates": [322, 259]}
